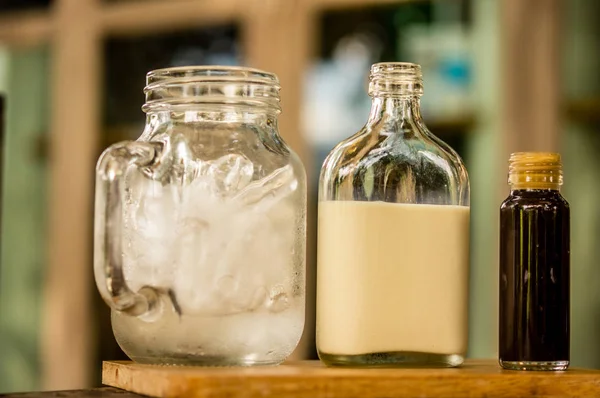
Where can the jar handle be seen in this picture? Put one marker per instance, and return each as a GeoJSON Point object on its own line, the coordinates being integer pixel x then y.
{"type": "Point", "coordinates": [108, 232]}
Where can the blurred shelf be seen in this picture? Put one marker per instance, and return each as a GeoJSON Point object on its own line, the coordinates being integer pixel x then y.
{"type": "Point", "coordinates": [11, 6]}
{"type": "Point", "coordinates": [346, 4]}
{"type": "Point", "coordinates": [110, 136]}
{"type": "Point", "coordinates": [29, 26]}
{"type": "Point", "coordinates": [586, 110]}
{"type": "Point", "coordinates": [25, 28]}
{"type": "Point", "coordinates": [114, 134]}
{"type": "Point", "coordinates": [123, 17]}
{"type": "Point", "coordinates": [452, 126]}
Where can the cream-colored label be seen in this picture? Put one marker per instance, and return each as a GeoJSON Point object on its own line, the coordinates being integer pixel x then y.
{"type": "Point", "coordinates": [392, 277]}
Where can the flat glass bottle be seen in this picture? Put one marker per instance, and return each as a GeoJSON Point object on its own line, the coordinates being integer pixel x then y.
{"type": "Point", "coordinates": [393, 237]}
{"type": "Point", "coordinates": [534, 266]}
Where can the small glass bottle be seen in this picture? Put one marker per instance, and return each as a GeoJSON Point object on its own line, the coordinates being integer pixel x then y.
{"type": "Point", "coordinates": [534, 266]}
{"type": "Point", "coordinates": [393, 237]}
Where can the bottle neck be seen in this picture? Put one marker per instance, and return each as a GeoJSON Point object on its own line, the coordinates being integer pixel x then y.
{"type": "Point", "coordinates": [395, 109]}
{"type": "Point", "coordinates": [521, 191]}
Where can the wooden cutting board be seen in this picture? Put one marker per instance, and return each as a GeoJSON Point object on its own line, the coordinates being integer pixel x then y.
{"type": "Point", "coordinates": [311, 379]}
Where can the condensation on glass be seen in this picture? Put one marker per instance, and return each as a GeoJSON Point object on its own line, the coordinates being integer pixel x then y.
{"type": "Point", "coordinates": [393, 239]}
{"type": "Point", "coordinates": [200, 224]}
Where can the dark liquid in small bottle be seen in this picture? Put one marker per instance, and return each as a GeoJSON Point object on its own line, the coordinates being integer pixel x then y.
{"type": "Point", "coordinates": [534, 277]}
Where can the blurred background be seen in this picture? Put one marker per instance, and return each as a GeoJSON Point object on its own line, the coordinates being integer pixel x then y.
{"type": "Point", "coordinates": [500, 76]}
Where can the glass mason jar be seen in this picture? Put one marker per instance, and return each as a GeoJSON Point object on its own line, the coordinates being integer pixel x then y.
{"type": "Point", "coordinates": [393, 237]}
{"type": "Point", "coordinates": [200, 224]}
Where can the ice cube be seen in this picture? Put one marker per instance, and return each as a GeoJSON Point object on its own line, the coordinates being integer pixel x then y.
{"type": "Point", "coordinates": [268, 191]}
{"type": "Point", "coordinates": [185, 166]}
{"type": "Point", "coordinates": [191, 254]}
{"type": "Point", "coordinates": [278, 299]}
{"type": "Point", "coordinates": [230, 173]}
{"type": "Point", "coordinates": [232, 240]}
{"type": "Point", "coordinates": [146, 246]}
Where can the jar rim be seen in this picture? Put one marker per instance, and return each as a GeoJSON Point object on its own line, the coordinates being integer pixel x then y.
{"type": "Point", "coordinates": [406, 69]}
{"type": "Point", "coordinates": [395, 79]}
{"type": "Point", "coordinates": [201, 86]}
{"type": "Point", "coordinates": [197, 72]}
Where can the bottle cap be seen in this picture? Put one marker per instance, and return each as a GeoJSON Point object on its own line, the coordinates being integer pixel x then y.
{"type": "Point", "coordinates": [535, 170]}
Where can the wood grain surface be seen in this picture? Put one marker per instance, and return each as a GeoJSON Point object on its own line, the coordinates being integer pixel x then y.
{"type": "Point", "coordinates": [103, 392]}
{"type": "Point", "coordinates": [311, 379]}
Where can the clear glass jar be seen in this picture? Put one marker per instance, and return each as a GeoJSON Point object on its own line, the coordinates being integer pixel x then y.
{"type": "Point", "coordinates": [393, 237]}
{"type": "Point", "coordinates": [200, 224]}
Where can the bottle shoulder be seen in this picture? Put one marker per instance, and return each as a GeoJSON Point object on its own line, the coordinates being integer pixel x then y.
{"type": "Point", "coordinates": [401, 167]}
{"type": "Point", "coordinates": [195, 146]}
{"type": "Point", "coordinates": [534, 199]}
{"type": "Point", "coordinates": [368, 149]}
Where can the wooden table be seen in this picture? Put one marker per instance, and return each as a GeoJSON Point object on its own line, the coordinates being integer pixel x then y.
{"type": "Point", "coordinates": [310, 379]}
{"type": "Point", "coordinates": [103, 392]}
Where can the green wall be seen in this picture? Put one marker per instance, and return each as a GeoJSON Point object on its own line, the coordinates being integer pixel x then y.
{"type": "Point", "coordinates": [486, 173]}
{"type": "Point", "coordinates": [23, 81]}
{"type": "Point", "coordinates": [580, 148]}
